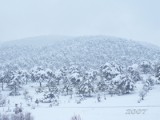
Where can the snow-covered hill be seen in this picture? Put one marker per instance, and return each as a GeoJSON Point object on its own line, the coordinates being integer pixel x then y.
{"type": "Point", "coordinates": [109, 91]}
{"type": "Point", "coordinates": [88, 51]}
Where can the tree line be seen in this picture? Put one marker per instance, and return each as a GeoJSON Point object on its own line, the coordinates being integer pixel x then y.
{"type": "Point", "coordinates": [110, 78]}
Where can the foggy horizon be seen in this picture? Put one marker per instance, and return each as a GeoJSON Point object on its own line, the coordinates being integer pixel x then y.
{"type": "Point", "coordinates": [135, 20]}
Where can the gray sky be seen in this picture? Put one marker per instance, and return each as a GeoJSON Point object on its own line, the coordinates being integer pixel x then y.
{"type": "Point", "coordinates": [133, 19]}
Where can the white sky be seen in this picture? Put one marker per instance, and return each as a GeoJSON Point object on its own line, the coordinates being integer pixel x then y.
{"type": "Point", "coordinates": [132, 19]}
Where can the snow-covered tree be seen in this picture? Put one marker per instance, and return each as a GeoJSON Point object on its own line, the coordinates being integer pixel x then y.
{"type": "Point", "coordinates": [109, 71]}
{"type": "Point", "coordinates": [52, 86]}
{"type": "Point", "coordinates": [87, 85]}
{"type": "Point", "coordinates": [121, 84]}
{"type": "Point", "coordinates": [23, 76]}
{"type": "Point", "coordinates": [2, 79]}
{"type": "Point", "coordinates": [151, 81]}
{"type": "Point", "coordinates": [112, 88]}
{"type": "Point", "coordinates": [60, 75]}
{"type": "Point", "coordinates": [50, 74]}
{"type": "Point", "coordinates": [67, 88]}
{"type": "Point", "coordinates": [134, 73]}
{"type": "Point", "coordinates": [145, 89]}
{"type": "Point", "coordinates": [15, 84]}
{"type": "Point", "coordinates": [8, 76]}
{"type": "Point", "coordinates": [39, 75]}
{"type": "Point", "coordinates": [126, 84]}
{"type": "Point", "coordinates": [146, 67]}
{"type": "Point", "coordinates": [110, 78]}
{"type": "Point", "coordinates": [75, 75]}
{"type": "Point", "coordinates": [157, 74]}
{"type": "Point", "coordinates": [102, 86]}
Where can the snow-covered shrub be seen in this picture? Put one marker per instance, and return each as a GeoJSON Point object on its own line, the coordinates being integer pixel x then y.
{"type": "Point", "coordinates": [4, 117]}
{"type": "Point", "coordinates": [12, 116]}
{"type": "Point", "coordinates": [151, 81]}
{"type": "Point", "coordinates": [14, 93]}
{"type": "Point", "coordinates": [33, 106]}
{"type": "Point", "coordinates": [17, 114]}
{"type": "Point", "coordinates": [76, 117]}
{"type": "Point", "coordinates": [25, 93]}
{"type": "Point", "coordinates": [80, 99]}
{"type": "Point", "coordinates": [55, 102]}
{"type": "Point", "coordinates": [37, 102]}
{"type": "Point", "coordinates": [50, 97]}
{"type": "Point", "coordinates": [145, 90]}
{"type": "Point", "coordinates": [142, 94]}
{"type": "Point", "coordinates": [39, 90]}
{"type": "Point", "coordinates": [28, 116]}
{"type": "Point", "coordinates": [99, 98]}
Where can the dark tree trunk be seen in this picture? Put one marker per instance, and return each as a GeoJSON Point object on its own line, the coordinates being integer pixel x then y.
{"type": "Point", "coordinates": [2, 86]}
{"type": "Point", "coordinates": [40, 84]}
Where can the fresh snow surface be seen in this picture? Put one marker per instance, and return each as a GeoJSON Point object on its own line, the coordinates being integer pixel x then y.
{"type": "Point", "coordinates": [113, 108]}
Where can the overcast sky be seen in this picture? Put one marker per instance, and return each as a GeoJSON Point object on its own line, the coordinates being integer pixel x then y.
{"type": "Point", "coordinates": [132, 19]}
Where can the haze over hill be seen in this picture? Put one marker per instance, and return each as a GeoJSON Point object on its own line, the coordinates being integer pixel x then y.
{"type": "Point", "coordinates": [88, 51]}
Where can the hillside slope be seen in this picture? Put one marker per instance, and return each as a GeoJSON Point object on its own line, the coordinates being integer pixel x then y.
{"type": "Point", "coordinates": [88, 51]}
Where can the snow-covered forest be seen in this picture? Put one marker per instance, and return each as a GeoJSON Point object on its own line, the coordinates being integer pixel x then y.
{"type": "Point", "coordinates": [110, 79]}
{"type": "Point", "coordinates": [86, 71]}
{"type": "Point", "coordinates": [89, 52]}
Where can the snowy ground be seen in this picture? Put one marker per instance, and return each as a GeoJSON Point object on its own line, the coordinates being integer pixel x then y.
{"type": "Point", "coordinates": [123, 107]}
